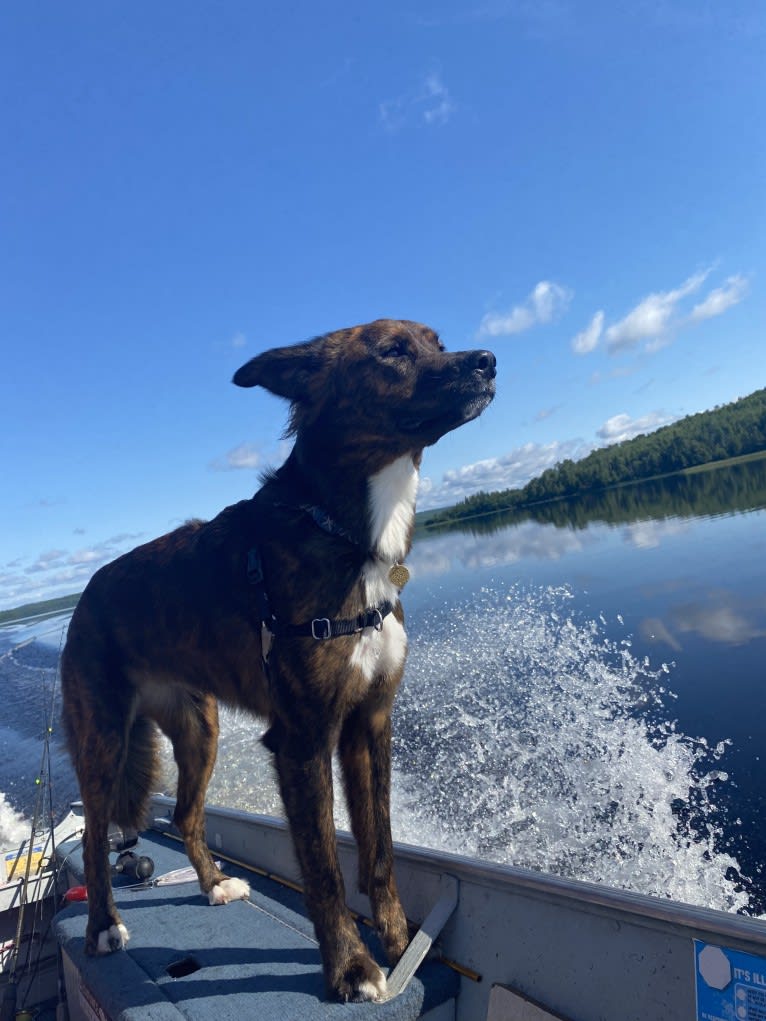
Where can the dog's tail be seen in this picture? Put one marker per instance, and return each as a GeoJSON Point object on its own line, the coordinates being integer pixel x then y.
{"type": "Point", "coordinates": [138, 776]}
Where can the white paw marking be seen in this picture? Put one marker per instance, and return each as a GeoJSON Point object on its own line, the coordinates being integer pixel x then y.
{"type": "Point", "coordinates": [373, 990]}
{"type": "Point", "coordinates": [113, 938]}
{"type": "Point", "coordinates": [229, 890]}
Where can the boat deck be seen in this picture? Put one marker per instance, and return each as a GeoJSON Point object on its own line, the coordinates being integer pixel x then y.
{"type": "Point", "coordinates": [249, 959]}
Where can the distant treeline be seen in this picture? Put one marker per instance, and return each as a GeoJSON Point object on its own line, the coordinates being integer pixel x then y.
{"type": "Point", "coordinates": [723, 488]}
{"type": "Point", "coordinates": [729, 431]}
{"type": "Point", "coordinates": [45, 608]}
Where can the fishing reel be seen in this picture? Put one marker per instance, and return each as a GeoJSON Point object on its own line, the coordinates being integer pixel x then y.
{"type": "Point", "coordinates": [138, 867]}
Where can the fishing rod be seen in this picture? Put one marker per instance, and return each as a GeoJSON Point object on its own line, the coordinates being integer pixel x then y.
{"type": "Point", "coordinates": [8, 1007]}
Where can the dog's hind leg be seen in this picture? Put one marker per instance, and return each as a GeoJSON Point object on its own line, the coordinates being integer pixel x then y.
{"type": "Point", "coordinates": [365, 755]}
{"type": "Point", "coordinates": [114, 769]}
{"type": "Point", "coordinates": [305, 779]}
{"type": "Point", "coordinates": [193, 731]}
{"type": "Point", "coordinates": [105, 930]}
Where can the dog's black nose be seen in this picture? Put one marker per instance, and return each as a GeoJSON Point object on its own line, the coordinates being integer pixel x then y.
{"type": "Point", "coordinates": [485, 363]}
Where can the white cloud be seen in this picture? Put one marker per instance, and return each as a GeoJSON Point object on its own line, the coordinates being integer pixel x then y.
{"type": "Point", "coordinates": [92, 557]}
{"type": "Point", "coordinates": [245, 456]}
{"type": "Point", "coordinates": [438, 107]}
{"type": "Point", "coordinates": [544, 413]}
{"type": "Point", "coordinates": [239, 340]}
{"type": "Point", "coordinates": [59, 572]}
{"type": "Point", "coordinates": [514, 469]}
{"type": "Point", "coordinates": [623, 427]}
{"type": "Point", "coordinates": [720, 299]}
{"type": "Point", "coordinates": [546, 302]}
{"type": "Point", "coordinates": [587, 340]}
{"type": "Point", "coordinates": [657, 317]}
{"type": "Point", "coordinates": [511, 471]}
{"type": "Point", "coordinates": [86, 556]}
{"type": "Point", "coordinates": [430, 102]}
{"type": "Point", "coordinates": [652, 318]}
{"type": "Point", "coordinates": [46, 561]}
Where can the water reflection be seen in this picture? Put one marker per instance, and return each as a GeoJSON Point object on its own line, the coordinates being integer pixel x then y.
{"type": "Point", "coordinates": [528, 540]}
{"type": "Point", "coordinates": [723, 490]}
{"type": "Point", "coordinates": [720, 618]}
{"type": "Point", "coordinates": [649, 514]}
{"type": "Point", "coordinates": [650, 534]}
{"type": "Point", "coordinates": [655, 630]}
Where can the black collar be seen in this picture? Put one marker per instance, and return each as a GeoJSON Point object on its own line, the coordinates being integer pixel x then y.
{"type": "Point", "coordinates": [328, 524]}
{"type": "Point", "coordinates": [325, 521]}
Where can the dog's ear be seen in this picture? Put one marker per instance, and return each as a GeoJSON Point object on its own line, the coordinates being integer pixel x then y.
{"type": "Point", "coordinates": [289, 372]}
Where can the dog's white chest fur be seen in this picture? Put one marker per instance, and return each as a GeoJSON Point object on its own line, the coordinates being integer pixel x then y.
{"type": "Point", "coordinates": [391, 508]}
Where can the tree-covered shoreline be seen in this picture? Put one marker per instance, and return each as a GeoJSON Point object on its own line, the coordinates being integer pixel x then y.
{"type": "Point", "coordinates": [735, 430]}
{"type": "Point", "coordinates": [44, 608]}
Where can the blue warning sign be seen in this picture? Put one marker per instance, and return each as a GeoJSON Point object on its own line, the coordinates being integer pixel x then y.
{"type": "Point", "coordinates": [731, 985]}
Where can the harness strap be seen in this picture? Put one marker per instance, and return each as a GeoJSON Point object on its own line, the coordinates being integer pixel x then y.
{"type": "Point", "coordinates": [320, 628]}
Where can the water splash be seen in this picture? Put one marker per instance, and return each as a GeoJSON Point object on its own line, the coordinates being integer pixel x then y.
{"type": "Point", "coordinates": [527, 736]}
{"type": "Point", "coordinates": [523, 734]}
{"type": "Point", "coordinates": [14, 827]}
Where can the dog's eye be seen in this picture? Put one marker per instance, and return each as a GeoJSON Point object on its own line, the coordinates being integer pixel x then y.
{"type": "Point", "coordinates": [396, 349]}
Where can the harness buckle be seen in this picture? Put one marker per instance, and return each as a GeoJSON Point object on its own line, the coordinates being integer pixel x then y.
{"type": "Point", "coordinates": [321, 628]}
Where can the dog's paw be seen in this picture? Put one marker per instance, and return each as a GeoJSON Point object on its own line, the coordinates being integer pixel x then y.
{"type": "Point", "coordinates": [111, 939]}
{"type": "Point", "coordinates": [362, 981]}
{"type": "Point", "coordinates": [228, 890]}
{"type": "Point", "coordinates": [395, 933]}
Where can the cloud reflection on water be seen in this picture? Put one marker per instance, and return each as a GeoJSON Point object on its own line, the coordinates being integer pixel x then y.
{"type": "Point", "coordinates": [529, 540]}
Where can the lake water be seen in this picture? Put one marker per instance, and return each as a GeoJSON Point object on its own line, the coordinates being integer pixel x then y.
{"type": "Point", "coordinates": [585, 694]}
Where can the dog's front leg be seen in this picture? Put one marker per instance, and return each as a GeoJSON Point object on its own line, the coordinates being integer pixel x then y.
{"type": "Point", "coordinates": [365, 753]}
{"type": "Point", "coordinates": [306, 785]}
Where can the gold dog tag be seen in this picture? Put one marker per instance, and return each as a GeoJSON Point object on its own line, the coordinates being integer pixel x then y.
{"type": "Point", "coordinates": [399, 575]}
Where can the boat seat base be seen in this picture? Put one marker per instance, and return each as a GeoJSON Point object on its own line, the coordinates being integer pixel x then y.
{"type": "Point", "coordinates": [187, 960]}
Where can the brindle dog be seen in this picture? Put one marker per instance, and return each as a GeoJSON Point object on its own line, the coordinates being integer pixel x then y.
{"type": "Point", "coordinates": [164, 632]}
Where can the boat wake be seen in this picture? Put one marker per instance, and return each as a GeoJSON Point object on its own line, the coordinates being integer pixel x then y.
{"type": "Point", "coordinates": [523, 734]}
{"type": "Point", "coordinates": [528, 737]}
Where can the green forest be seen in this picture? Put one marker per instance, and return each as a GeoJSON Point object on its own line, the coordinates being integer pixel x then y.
{"type": "Point", "coordinates": [48, 607]}
{"type": "Point", "coordinates": [730, 431]}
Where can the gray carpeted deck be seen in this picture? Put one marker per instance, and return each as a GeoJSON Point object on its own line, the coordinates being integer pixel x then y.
{"type": "Point", "coordinates": [250, 959]}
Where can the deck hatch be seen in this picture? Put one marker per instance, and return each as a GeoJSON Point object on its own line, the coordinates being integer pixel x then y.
{"type": "Point", "coordinates": [185, 966]}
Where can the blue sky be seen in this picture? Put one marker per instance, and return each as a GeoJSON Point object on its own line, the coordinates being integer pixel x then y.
{"type": "Point", "coordinates": [577, 185]}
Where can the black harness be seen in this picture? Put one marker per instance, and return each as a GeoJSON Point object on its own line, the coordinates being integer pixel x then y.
{"type": "Point", "coordinates": [320, 628]}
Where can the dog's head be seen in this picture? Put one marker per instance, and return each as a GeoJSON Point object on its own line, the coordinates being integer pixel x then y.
{"type": "Point", "coordinates": [389, 384]}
